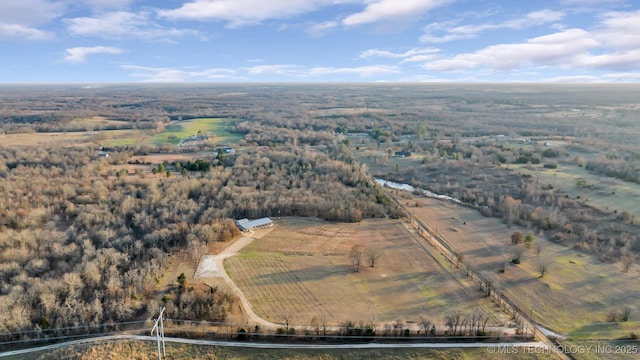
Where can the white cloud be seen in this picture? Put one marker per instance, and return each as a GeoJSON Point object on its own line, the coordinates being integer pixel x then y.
{"type": "Point", "coordinates": [471, 31]}
{"type": "Point", "coordinates": [152, 74]}
{"type": "Point", "coordinates": [407, 54]}
{"type": "Point", "coordinates": [319, 71]}
{"type": "Point", "coordinates": [274, 69]}
{"type": "Point", "coordinates": [79, 54]}
{"type": "Point", "coordinates": [420, 58]}
{"type": "Point", "coordinates": [121, 24]}
{"type": "Point", "coordinates": [161, 74]}
{"type": "Point", "coordinates": [320, 28]}
{"type": "Point", "coordinates": [574, 79]}
{"type": "Point", "coordinates": [30, 12]}
{"type": "Point", "coordinates": [415, 55]}
{"type": "Point", "coordinates": [593, 5]}
{"type": "Point", "coordinates": [101, 5]}
{"type": "Point", "coordinates": [243, 12]}
{"type": "Point", "coordinates": [533, 19]}
{"type": "Point", "coordinates": [423, 78]}
{"type": "Point", "coordinates": [612, 44]}
{"type": "Point", "coordinates": [564, 48]}
{"type": "Point", "coordinates": [383, 10]}
{"type": "Point", "coordinates": [23, 32]}
{"type": "Point", "coordinates": [623, 77]}
{"type": "Point", "coordinates": [248, 12]}
{"type": "Point", "coordinates": [21, 19]}
{"type": "Point", "coordinates": [620, 60]}
{"type": "Point", "coordinates": [362, 71]}
{"type": "Point", "coordinates": [620, 30]}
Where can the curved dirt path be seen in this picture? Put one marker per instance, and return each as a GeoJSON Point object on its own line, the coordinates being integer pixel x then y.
{"type": "Point", "coordinates": [232, 250]}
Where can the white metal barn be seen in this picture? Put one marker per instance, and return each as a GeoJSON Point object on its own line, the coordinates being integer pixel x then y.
{"type": "Point", "coordinates": [246, 224]}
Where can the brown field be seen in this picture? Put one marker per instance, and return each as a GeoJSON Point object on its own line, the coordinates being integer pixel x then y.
{"type": "Point", "coordinates": [103, 137]}
{"type": "Point", "coordinates": [302, 270]}
{"type": "Point", "coordinates": [167, 157]}
{"type": "Point", "coordinates": [34, 139]}
{"type": "Point", "coordinates": [574, 296]}
{"type": "Point", "coordinates": [96, 121]}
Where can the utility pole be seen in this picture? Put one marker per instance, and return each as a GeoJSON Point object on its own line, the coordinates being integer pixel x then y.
{"type": "Point", "coordinates": [533, 325]}
{"type": "Point", "coordinates": [158, 327]}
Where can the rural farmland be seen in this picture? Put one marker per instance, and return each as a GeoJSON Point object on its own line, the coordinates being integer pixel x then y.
{"type": "Point", "coordinates": [107, 218]}
{"type": "Point", "coordinates": [301, 270]}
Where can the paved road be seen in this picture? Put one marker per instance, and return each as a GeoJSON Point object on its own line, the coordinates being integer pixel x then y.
{"type": "Point", "coordinates": [530, 345]}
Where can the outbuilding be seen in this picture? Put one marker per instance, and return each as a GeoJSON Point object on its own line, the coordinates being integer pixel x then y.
{"type": "Point", "coordinates": [246, 224]}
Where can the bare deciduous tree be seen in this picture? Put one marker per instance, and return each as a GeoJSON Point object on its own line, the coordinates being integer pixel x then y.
{"type": "Point", "coordinates": [626, 312]}
{"type": "Point", "coordinates": [355, 255]}
{"type": "Point", "coordinates": [425, 324]}
{"type": "Point", "coordinates": [543, 266]}
{"type": "Point", "coordinates": [324, 322]}
{"type": "Point", "coordinates": [373, 255]}
{"type": "Point", "coordinates": [453, 321]}
{"type": "Point", "coordinates": [288, 319]}
{"type": "Point", "coordinates": [627, 261]}
{"type": "Point", "coordinates": [516, 255]}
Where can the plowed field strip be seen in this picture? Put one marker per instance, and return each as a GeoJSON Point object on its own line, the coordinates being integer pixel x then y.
{"type": "Point", "coordinates": [274, 290]}
{"type": "Point", "coordinates": [303, 244]}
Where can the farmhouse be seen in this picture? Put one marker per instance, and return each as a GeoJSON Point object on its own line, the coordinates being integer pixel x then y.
{"type": "Point", "coordinates": [402, 154]}
{"type": "Point", "coordinates": [246, 224]}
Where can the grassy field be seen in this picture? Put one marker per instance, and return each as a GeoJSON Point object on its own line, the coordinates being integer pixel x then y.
{"type": "Point", "coordinates": [170, 157]}
{"type": "Point", "coordinates": [103, 137]}
{"type": "Point", "coordinates": [128, 350]}
{"type": "Point", "coordinates": [179, 129]}
{"type": "Point", "coordinates": [175, 130]}
{"type": "Point", "coordinates": [607, 195]}
{"type": "Point", "coordinates": [576, 293]}
{"type": "Point", "coordinates": [302, 270]}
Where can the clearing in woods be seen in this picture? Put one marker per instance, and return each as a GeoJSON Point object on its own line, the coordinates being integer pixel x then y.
{"type": "Point", "coordinates": [301, 271]}
{"type": "Point", "coordinates": [173, 132]}
{"type": "Point", "coordinates": [576, 294]}
{"type": "Point", "coordinates": [218, 127]}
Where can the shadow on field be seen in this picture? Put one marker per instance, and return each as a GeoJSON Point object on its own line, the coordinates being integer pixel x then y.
{"type": "Point", "coordinates": [308, 274]}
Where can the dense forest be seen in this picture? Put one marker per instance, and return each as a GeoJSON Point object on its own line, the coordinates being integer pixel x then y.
{"type": "Point", "coordinates": [81, 247]}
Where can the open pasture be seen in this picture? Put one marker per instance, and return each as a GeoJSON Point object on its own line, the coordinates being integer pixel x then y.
{"type": "Point", "coordinates": [102, 137]}
{"type": "Point", "coordinates": [607, 194]}
{"type": "Point", "coordinates": [97, 123]}
{"type": "Point", "coordinates": [170, 157]}
{"type": "Point", "coordinates": [302, 270]}
{"type": "Point", "coordinates": [577, 289]}
{"type": "Point", "coordinates": [218, 128]}
{"type": "Point", "coordinates": [307, 236]}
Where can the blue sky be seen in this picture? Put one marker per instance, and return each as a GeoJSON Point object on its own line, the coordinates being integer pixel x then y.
{"type": "Point", "coordinates": [319, 40]}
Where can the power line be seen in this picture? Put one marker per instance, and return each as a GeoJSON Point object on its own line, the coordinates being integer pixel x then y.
{"type": "Point", "coordinates": [160, 335]}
